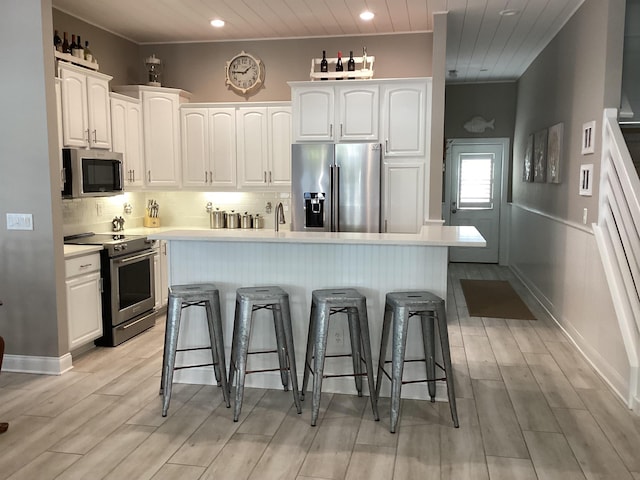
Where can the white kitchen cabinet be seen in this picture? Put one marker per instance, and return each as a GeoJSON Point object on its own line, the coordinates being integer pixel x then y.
{"type": "Point", "coordinates": [160, 266]}
{"type": "Point", "coordinates": [127, 137]}
{"type": "Point", "coordinates": [161, 131]}
{"type": "Point", "coordinates": [86, 112]}
{"type": "Point", "coordinates": [58, 90]}
{"type": "Point", "coordinates": [279, 127]}
{"type": "Point", "coordinates": [264, 146]}
{"type": "Point", "coordinates": [335, 112]}
{"type": "Point", "coordinates": [208, 147]}
{"type": "Point", "coordinates": [406, 113]}
{"type": "Point", "coordinates": [84, 304]}
{"type": "Point", "coordinates": [403, 192]}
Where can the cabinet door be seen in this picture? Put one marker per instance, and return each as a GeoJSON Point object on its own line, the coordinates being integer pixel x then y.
{"type": "Point", "coordinates": [75, 122]}
{"type": "Point", "coordinates": [126, 138]}
{"type": "Point", "coordinates": [251, 145]}
{"type": "Point", "coordinates": [279, 173]}
{"type": "Point", "coordinates": [134, 159]}
{"type": "Point", "coordinates": [60, 139]}
{"type": "Point", "coordinates": [99, 113]}
{"type": "Point", "coordinates": [195, 147]}
{"type": "Point", "coordinates": [404, 119]}
{"type": "Point", "coordinates": [403, 197]}
{"type": "Point", "coordinates": [161, 120]}
{"type": "Point", "coordinates": [358, 113]}
{"type": "Point", "coordinates": [84, 309]}
{"type": "Point", "coordinates": [314, 114]}
{"type": "Point", "coordinates": [222, 145]}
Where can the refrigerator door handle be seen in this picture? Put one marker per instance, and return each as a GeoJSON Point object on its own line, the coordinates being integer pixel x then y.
{"type": "Point", "coordinates": [336, 199]}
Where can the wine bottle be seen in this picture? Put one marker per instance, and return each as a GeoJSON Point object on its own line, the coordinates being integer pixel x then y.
{"type": "Point", "coordinates": [324, 65]}
{"type": "Point", "coordinates": [78, 51]}
{"type": "Point", "coordinates": [57, 41]}
{"type": "Point", "coordinates": [65, 44]}
{"type": "Point", "coordinates": [88, 54]}
{"type": "Point", "coordinates": [72, 46]}
{"type": "Point", "coordinates": [364, 58]}
{"type": "Point", "coordinates": [339, 67]}
{"type": "Point", "coordinates": [351, 64]}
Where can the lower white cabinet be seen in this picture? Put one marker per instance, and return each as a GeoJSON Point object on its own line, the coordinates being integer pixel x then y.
{"type": "Point", "coordinates": [403, 197]}
{"type": "Point", "coordinates": [161, 273]}
{"type": "Point", "coordinates": [84, 304]}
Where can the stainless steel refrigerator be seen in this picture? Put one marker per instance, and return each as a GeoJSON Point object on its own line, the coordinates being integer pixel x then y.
{"type": "Point", "coordinates": [335, 187]}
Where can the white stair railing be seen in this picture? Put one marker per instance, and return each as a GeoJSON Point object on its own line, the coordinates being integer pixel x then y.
{"type": "Point", "coordinates": [618, 237]}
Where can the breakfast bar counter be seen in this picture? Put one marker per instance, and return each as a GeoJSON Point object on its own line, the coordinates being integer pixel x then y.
{"type": "Point", "coordinates": [300, 262]}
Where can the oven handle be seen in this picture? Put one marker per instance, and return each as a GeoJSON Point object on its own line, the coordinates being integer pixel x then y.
{"type": "Point", "coordinates": [120, 261]}
{"type": "Point", "coordinates": [134, 323]}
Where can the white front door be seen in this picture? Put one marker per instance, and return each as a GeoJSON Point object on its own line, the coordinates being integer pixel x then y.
{"type": "Point", "coordinates": [475, 195]}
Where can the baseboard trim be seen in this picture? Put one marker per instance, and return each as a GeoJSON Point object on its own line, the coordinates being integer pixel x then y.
{"type": "Point", "coordinates": [35, 364]}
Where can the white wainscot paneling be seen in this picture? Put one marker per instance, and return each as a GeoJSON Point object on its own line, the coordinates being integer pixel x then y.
{"type": "Point", "coordinates": [559, 262]}
{"type": "Point", "coordinates": [299, 269]}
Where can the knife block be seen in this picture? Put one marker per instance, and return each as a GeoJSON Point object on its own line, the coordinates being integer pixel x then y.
{"type": "Point", "coordinates": [152, 222]}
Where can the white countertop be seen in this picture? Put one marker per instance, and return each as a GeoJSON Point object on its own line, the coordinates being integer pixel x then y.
{"type": "Point", "coordinates": [71, 251]}
{"type": "Point", "coordinates": [430, 235]}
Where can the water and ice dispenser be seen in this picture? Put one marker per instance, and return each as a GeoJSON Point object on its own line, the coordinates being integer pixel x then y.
{"type": "Point", "coordinates": [314, 209]}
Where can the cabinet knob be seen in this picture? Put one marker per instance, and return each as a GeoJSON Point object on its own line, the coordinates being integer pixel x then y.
{"type": "Point", "coordinates": [269, 176]}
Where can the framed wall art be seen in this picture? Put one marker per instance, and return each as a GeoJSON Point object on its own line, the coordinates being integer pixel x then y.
{"type": "Point", "coordinates": [527, 166]}
{"type": "Point", "coordinates": [554, 153]}
{"type": "Point", "coordinates": [540, 155]}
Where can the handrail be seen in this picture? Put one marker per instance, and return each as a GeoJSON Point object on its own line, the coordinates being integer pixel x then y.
{"type": "Point", "coordinates": [618, 237]}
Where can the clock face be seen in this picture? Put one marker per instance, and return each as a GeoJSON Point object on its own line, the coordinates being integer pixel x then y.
{"type": "Point", "coordinates": [244, 73]}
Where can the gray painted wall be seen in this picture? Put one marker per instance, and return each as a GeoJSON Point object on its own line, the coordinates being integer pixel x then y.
{"type": "Point", "coordinates": [116, 56]}
{"type": "Point", "coordinates": [33, 318]}
{"type": "Point", "coordinates": [200, 67]}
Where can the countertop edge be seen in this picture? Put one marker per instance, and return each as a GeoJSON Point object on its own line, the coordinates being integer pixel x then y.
{"type": "Point", "coordinates": [430, 235]}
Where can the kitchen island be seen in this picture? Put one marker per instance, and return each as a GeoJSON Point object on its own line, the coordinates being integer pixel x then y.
{"type": "Point", "coordinates": [299, 262]}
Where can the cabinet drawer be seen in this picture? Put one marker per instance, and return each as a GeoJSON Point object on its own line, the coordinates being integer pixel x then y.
{"type": "Point", "coordinates": [80, 265]}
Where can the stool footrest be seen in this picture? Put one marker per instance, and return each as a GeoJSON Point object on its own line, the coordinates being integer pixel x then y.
{"type": "Point", "coordinates": [261, 352]}
{"type": "Point", "coordinates": [344, 375]}
{"type": "Point", "coordinates": [195, 366]}
{"type": "Point", "coordinates": [191, 349]}
{"type": "Point", "coordinates": [277, 369]}
{"type": "Point", "coordinates": [439, 379]}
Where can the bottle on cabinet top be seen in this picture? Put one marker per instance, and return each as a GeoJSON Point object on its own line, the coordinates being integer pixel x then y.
{"type": "Point", "coordinates": [66, 48]}
{"type": "Point", "coordinates": [339, 67]}
{"type": "Point", "coordinates": [57, 42]}
{"type": "Point", "coordinates": [78, 51]}
{"type": "Point", "coordinates": [88, 54]}
{"type": "Point", "coordinates": [351, 64]}
{"type": "Point", "coordinates": [324, 65]}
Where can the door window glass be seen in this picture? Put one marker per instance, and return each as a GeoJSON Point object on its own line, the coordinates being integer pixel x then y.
{"type": "Point", "coordinates": [475, 184]}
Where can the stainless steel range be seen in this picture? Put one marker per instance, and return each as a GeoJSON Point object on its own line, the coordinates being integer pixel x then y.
{"type": "Point", "coordinates": [128, 277]}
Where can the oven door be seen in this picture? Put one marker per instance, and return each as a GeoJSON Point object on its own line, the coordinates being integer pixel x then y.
{"type": "Point", "coordinates": [132, 286]}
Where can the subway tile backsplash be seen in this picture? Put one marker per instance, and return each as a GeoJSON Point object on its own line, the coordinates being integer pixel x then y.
{"type": "Point", "coordinates": [177, 209]}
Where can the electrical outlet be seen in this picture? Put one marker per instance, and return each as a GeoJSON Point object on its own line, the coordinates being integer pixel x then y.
{"type": "Point", "coordinates": [585, 214]}
{"type": "Point", "coordinates": [99, 209]}
{"type": "Point", "coordinates": [19, 221]}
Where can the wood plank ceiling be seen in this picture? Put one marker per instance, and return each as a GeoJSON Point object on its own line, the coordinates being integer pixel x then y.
{"type": "Point", "coordinates": [482, 44]}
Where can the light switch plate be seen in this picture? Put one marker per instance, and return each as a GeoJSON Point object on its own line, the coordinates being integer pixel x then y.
{"type": "Point", "coordinates": [588, 137]}
{"type": "Point", "coordinates": [586, 180]}
{"type": "Point", "coordinates": [19, 221]}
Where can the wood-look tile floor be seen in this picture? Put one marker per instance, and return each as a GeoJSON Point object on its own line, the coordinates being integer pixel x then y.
{"type": "Point", "coordinates": [529, 405]}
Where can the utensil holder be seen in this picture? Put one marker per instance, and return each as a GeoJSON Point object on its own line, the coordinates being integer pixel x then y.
{"type": "Point", "coordinates": [152, 222]}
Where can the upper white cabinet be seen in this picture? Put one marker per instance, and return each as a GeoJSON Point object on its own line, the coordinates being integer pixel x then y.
{"type": "Point", "coordinates": [86, 112]}
{"type": "Point", "coordinates": [127, 137]}
{"type": "Point", "coordinates": [405, 114]}
{"type": "Point", "coordinates": [335, 112]}
{"type": "Point", "coordinates": [58, 91]}
{"type": "Point", "coordinates": [264, 146]}
{"type": "Point", "coordinates": [208, 147]}
{"type": "Point", "coordinates": [161, 130]}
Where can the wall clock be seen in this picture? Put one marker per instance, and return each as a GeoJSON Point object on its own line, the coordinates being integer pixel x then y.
{"type": "Point", "coordinates": [244, 73]}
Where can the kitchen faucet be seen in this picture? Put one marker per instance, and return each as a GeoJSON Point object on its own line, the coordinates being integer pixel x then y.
{"type": "Point", "coordinates": [279, 216]}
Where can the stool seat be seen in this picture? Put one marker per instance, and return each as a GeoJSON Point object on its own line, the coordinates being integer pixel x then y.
{"type": "Point", "coordinates": [248, 300]}
{"type": "Point", "coordinates": [399, 308]}
{"type": "Point", "coordinates": [324, 303]}
{"type": "Point", "coordinates": [191, 295]}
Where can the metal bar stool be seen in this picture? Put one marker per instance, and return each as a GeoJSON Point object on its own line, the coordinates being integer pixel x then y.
{"type": "Point", "coordinates": [325, 303]}
{"type": "Point", "coordinates": [182, 296]}
{"type": "Point", "coordinates": [399, 307]}
{"type": "Point", "coordinates": [249, 300]}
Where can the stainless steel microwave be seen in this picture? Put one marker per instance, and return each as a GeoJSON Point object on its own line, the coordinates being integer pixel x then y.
{"type": "Point", "coordinates": [91, 173]}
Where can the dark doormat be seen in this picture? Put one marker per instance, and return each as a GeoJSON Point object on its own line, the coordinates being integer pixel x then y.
{"type": "Point", "coordinates": [494, 298]}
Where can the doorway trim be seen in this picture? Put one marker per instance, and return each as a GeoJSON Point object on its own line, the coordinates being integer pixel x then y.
{"type": "Point", "coordinates": [503, 249]}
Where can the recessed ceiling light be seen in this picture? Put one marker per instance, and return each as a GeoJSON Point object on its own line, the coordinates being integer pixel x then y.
{"type": "Point", "coordinates": [453, 73]}
{"type": "Point", "coordinates": [509, 12]}
{"type": "Point", "coordinates": [367, 15]}
{"type": "Point", "coordinates": [217, 23]}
